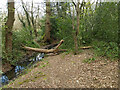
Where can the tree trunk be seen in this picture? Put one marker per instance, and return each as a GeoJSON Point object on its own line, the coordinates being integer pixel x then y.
{"type": "Point", "coordinates": [78, 22]}
{"type": "Point", "coordinates": [74, 34]}
{"type": "Point", "coordinates": [119, 39]}
{"type": "Point", "coordinates": [9, 26]}
{"type": "Point", "coordinates": [47, 23]}
{"type": "Point", "coordinates": [78, 10]}
{"type": "Point", "coordinates": [78, 18]}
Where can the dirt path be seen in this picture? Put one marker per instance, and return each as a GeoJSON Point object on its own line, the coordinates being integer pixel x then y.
{"type": "Point", "coordinates": [69, 71]}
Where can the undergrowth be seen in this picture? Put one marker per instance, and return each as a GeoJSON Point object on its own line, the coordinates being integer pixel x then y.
{"type": "Point", "coordinates": [106, 49]}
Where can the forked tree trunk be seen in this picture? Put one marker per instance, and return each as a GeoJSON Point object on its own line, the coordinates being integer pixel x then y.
{"type": "Point", "coordinates": [78, 22]}
{"type": "Point", "coordinates": [9, 26]}
{"type": "Point", "coordinates": [78, 9]}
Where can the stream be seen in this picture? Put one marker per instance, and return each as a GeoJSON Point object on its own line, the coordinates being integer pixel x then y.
{"type": "Point", "coordinates": [17, 70]}
{"type": "Point", "coordinates": [21, 66]}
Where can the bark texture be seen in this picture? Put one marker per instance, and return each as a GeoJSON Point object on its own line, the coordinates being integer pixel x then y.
{"type": "Point", "coordinates": [47, 23]}
{"type": "Point", "coordinates": [9, 26]}
{"type": "Point", "coordinates": [45, 50]}
{"type": "Point", "coordinates": [78, 8]}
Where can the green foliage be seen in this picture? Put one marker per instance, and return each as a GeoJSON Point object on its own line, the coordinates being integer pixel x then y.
{"type": "Point", "coordinates": [97, 27]}
{"type": "Point", "coordinates": [42, 26]}
{"type": "Point", "coordinates": [106, 22]}
{"type": "Point", "coordinates": [101, 24]}
{"type": "Point", "coordinates": [62, 29]}
{"type": "Point", "coordinates": [109, 50]}
{"type": "Point", "coordinates": [90, 60]}
{"type": "Point", "coordinates": [101, 30]}
{"type": "Point", "coordinates": [20, 37]}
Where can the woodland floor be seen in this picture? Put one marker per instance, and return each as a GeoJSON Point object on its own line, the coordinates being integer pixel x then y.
{"type": "Point", "coordinates": [69, 71]}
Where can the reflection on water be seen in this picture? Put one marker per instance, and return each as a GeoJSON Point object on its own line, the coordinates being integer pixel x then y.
{"type": "Point", "coordinates": [18, 69]}
{"type": "Point", "coordinates": [4, 80]}
{"type": "Point", "coordinates": [6, 77]}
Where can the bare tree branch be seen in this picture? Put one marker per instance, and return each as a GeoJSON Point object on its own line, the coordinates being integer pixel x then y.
{"type": "Point", "coordinates": [74, 3]}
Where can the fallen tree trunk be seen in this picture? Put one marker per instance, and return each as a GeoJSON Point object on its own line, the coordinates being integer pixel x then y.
{"type": "Point", "coordinates": [46, 50]}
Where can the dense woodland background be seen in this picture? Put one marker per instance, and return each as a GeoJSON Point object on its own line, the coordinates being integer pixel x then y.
{"type": "Point", "coordinates": [77, 23]}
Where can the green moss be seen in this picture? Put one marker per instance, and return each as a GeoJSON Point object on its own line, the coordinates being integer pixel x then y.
{"type": "Point", "coordinates": [89, 60]}
{"type": "Point", "coordinates": [73, 62]}
{"type": "Point", "coordinates": [43, 65]}
{"type": "Point", "coordinates": [37, 76]}
{"type": "Point", "coordinates": [27, 80]}
{"type": "Point", "coordinates": [45, 78]}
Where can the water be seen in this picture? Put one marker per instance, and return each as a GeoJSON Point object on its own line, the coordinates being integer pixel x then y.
{"type": "Point", "coordinates": [6, 77]}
